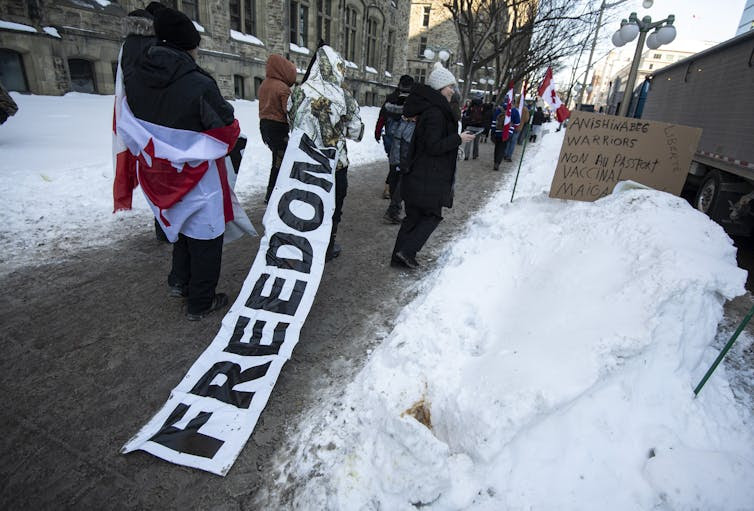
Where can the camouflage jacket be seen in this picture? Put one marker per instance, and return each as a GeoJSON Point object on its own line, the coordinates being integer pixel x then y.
{"type": "Point", "coordinates": [323, 109]}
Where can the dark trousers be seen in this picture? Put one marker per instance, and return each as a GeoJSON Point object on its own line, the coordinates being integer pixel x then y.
{"type": "Point", "coordinates": [499, 151]}
{"type": "Point", "coordinates": [196, 263]}
{"type": "Point", "coordinates": [416, 228]}
{"type": "Point", "coordinates": [275, 136]}
{"type": "Point", "coordinates": [341, 189]}
{"type": "Point", "coordinates": [394, 183]}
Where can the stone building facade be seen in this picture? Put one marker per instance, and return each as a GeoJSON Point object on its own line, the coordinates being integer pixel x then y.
{"type": "Point", "coordinates": [430, 26]}
{"type": "Point", "coordinates": [56, 46]}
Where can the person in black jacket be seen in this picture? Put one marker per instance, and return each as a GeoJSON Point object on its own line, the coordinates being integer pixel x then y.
{"type": "Point", "coordinates": [428, 184]}
{"type": "Point", "coordinates": [166, 87]}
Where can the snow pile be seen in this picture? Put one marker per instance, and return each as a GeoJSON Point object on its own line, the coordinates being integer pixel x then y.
{"type": "Point", "coordinates": [56, 175]}
{"type": "Point", "coordinates": [548, 364]}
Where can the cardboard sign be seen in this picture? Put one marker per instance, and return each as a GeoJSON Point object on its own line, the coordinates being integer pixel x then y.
{"type": "Point", "coordinates": [599, 151]}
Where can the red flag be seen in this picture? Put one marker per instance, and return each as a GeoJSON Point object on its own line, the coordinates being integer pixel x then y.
{"type": "Point", "coordinates": [508, 107]}
{"type": "Point", "coordinates": [547, 92]}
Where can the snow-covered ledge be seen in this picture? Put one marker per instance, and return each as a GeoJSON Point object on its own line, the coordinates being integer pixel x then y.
{"type": "Point", "coordinates": [51, 31]}
{"type": "Point", "coordinates": [370, 70]}
{"type": "Point", "coordinates": [245, 38]}
{"type": "Point", "coordinates": [351, 65]}
{"type": "Point", "coordinates": [9, 25]}
{"type": "Point", "coordinates": [199, 28]}
{"type": "Point", "coordinates": [299, 49]}
{"type": "Point", "coordinates": [388, 74]}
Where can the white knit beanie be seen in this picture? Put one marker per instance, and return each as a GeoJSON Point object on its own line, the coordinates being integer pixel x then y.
{"type": "Point", "coordinates": [440, 77]}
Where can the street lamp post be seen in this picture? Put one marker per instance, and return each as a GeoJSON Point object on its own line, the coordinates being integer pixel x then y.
{"type": "Point", "coordinates": [647, 4]}
{"type": "Point", "coordinates": [664, 33]}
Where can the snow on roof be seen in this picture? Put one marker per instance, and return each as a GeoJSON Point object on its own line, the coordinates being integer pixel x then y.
{"type": "Point", "coordinates": [245, 38]}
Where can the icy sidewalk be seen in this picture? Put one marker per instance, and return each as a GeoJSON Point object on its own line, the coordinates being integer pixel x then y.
{"type": "Point", "coordinates": [549, 365]}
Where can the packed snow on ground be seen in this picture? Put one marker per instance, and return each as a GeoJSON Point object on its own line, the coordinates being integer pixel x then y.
{"type": "Point", "coordinates": [548, 363]}
{"type": "Point", "coordinates": [56, 175]}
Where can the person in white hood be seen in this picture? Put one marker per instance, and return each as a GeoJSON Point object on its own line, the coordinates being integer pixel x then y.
{"type": "Point", "coordinates": [328, 113]}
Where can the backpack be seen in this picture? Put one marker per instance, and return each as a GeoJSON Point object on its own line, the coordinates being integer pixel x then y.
{"type": "Point", "coordinates": [403, 148]}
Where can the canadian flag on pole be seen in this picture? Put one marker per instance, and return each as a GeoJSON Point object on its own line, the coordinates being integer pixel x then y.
{"type": "Point", "coordinates": [548, 93]}
{"type": "Point", "coordinates": [508, 106]}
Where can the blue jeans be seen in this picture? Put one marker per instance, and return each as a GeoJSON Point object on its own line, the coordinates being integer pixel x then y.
{"type": "Point", "coordinates": [511, 145]}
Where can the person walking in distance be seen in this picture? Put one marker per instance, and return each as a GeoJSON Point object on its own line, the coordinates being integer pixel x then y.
{"type": "Point", "coordinates": [273, 114]}
{"type": "Point", "coordinates": [428, 179]}
{"type": "Point", "coordinates": [513, 131]}
{"type": "Point", "coordinates": [328, 113]}
{"type": "Point", "coordinates": [390, 117]}
{"type": "Point", "coordinates": [176, 122]}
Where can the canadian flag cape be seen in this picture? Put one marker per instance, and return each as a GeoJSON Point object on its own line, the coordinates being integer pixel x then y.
{"type": "Point", "coordinates": [548, 93]}
{"type": "Point", "coordinates": [508, 108]}
{"type": "Point", "coordinates": [183, 174]}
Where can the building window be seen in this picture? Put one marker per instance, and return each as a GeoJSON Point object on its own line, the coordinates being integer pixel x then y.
{"type": "Point", "coordinates": [299, 23]}
{"type": "Point", "coordinates": [238, 89]}
{"type": "Point", "coordinates": [651, 66]}
{"type": "Point", "coordinates": [657, 56]}
{"type": "Point", "coordinates": [351, 28]}
{"type": "Point", "coordinates": [82, 75]}
{"type": "Point", "coordinates": [324, 19]}
{"type": "Point", "coordinates": [425, 19]}
{"type": "Point", "coordinates": [422, 46]}
{"type": "Point", "coordinates": [12, 73]}
{"type": "Point", "coordinates": [190, 8]}
{"type": "Point", "coordinates": [420, 74]}
{"type": "Point", "coordinates": [372, 43]}
{"type": "Point", "coordinates": [243, 16]}
{"type": "Point", "coordinates": [257, 83]}
{"type": "Point", "coordinates": [390, 51]}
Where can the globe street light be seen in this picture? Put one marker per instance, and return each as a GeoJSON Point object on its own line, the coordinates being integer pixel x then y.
{"type": "Point", "coordinates": [664, 33]}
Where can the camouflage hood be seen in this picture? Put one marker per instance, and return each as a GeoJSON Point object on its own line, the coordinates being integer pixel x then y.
{"type": "Point", "coordinates": [323, 108]}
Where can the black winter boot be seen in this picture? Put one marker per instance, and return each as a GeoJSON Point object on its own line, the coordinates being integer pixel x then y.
{"type": "Point", "coordinates": [333, 249]}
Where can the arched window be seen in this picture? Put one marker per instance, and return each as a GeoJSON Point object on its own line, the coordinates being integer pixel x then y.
{"type": "Point", "coordinates": [12, 73]}
{"type": "Point", "coordinates": [351, 27]}
{"type": "Point", "coordinates": [372, 53]}
{"type": "Point", "coordinates": [82, 75]}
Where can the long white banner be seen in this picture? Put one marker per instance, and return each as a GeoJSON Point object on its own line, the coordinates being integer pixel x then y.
{"type": "Point", "coordinates": [214, 409]}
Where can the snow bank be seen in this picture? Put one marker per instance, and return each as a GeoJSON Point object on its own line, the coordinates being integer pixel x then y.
{"type": "Point", "coordinates": [56, 175]}
{"type": "Point", "coordinates": [549, 364]}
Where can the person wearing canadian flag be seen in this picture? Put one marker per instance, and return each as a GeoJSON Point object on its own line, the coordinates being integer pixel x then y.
{"type": "Point", "coordinates": [176, 130]}
{"type": "Point", "coordinates": [548, 92]}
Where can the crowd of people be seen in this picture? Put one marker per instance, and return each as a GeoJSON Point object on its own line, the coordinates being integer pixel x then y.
{"type": "Point", "coordinates": [166, 93]}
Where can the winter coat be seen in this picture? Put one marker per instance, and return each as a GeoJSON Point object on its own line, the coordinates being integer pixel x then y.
{"type": "Point", "coordinates": [167, 87]}
{"type": "Point", "coordinates": [524, 119]}
{"type": "Point", "coordinates": [431, 176]}
{"type": "Point", "coordinates": [323, 109]}
{"type": "Point", "coordinates": [474, 115]}
{"type": "Point", "coordinates": [389, 117]}
{"type": "Point", "coordinates": [539, 117]}
{"type": "Point", "coordinates": [275, 89]}
{"type": "Point", "coordinates": [8, 107]}
{"type": "Point", "coordinates": [170, 105]}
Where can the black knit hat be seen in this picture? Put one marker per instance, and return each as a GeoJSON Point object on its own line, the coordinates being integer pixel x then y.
{"type": "Point", "coordinates": [405, 82]}
{"type": "Point", "coordinates": [176, 28]}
